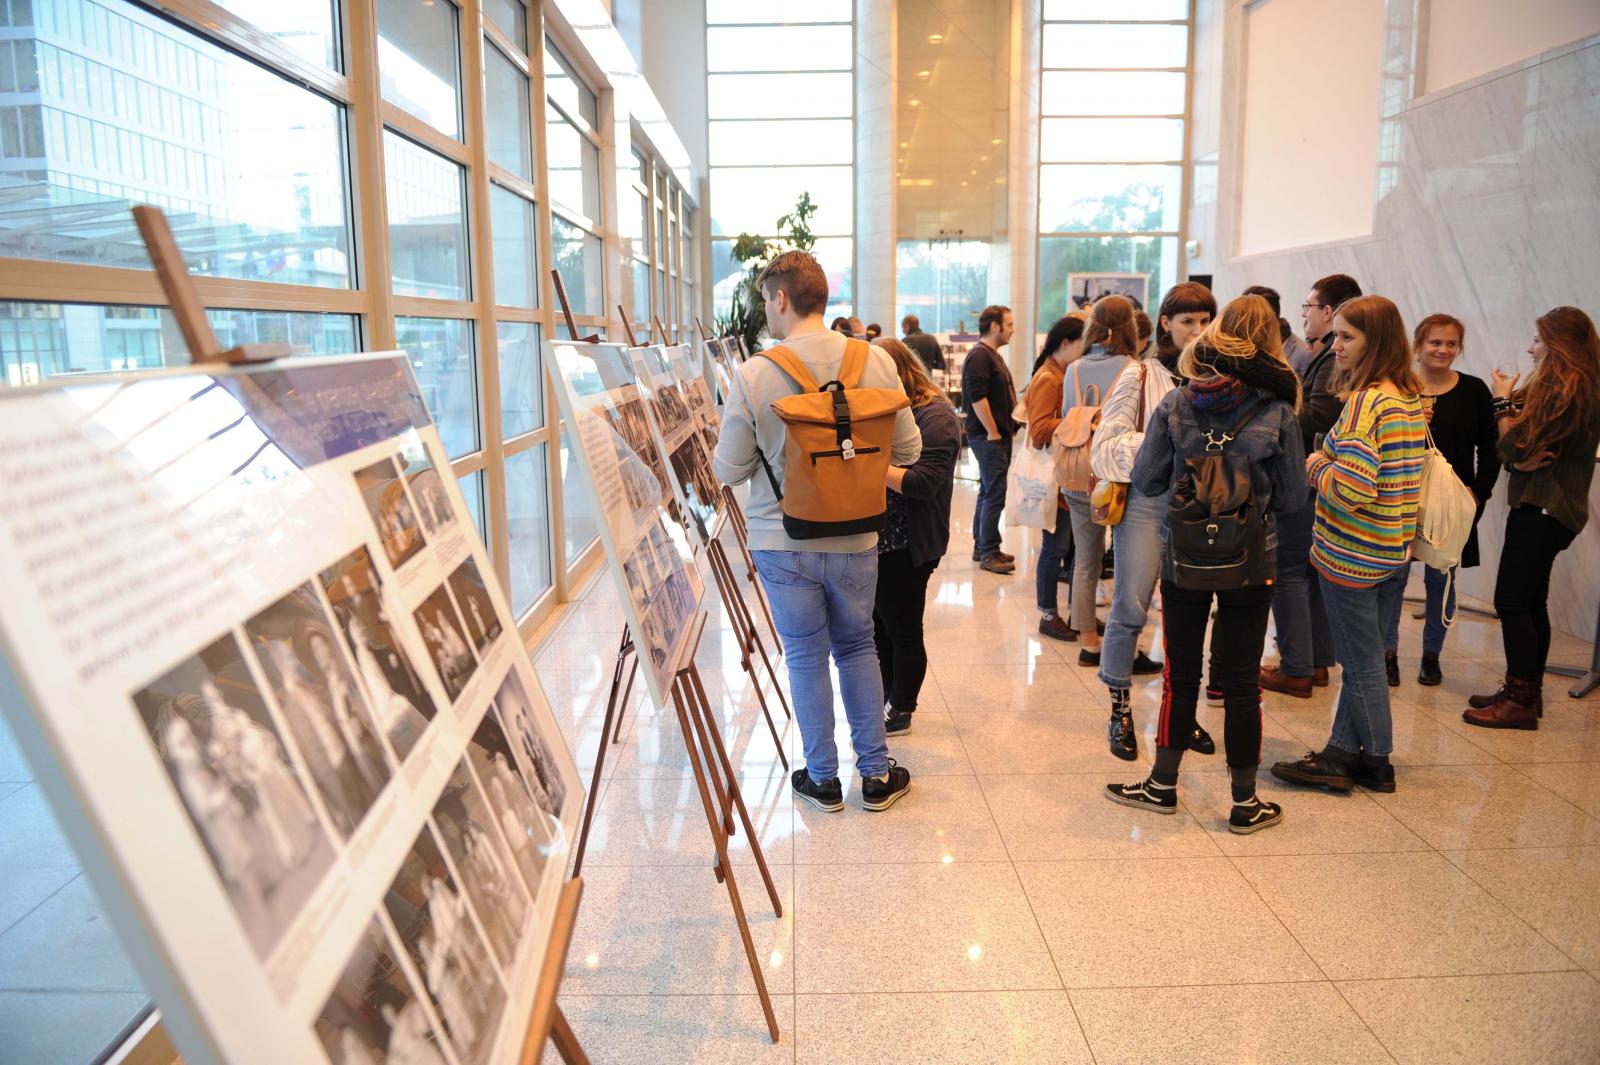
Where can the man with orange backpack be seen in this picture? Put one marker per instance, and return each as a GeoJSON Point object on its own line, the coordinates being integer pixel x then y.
{"type": "Point", "coordinates": [814, 425]}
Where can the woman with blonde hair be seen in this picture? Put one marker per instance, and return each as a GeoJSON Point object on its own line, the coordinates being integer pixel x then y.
{"type": "Point", "coordinates": [1367, 473]}
{"type": "Point", "coordinates": [916, 533]}
{"type": "Point", "coordinates": [1239, 401]}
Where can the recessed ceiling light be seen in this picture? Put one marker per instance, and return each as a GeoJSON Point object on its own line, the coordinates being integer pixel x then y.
{"type": "Point", "coordinates": [935, 38]}
{"type": "Point", "coordinates": [995, 141]}
{"type": "Point", "coordinates": [983, 158]}
{"type": "Point", "coordinates": [905, 144]}
{"type": "Point", "coordinates": [924, 73]}
{"type": "Point", "coordinates": [913, 102]}
{"type": "Point", "coordinates": [963, 184]}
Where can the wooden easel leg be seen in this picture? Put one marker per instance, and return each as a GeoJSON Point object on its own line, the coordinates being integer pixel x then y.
{"type": "Point", "coordinates": [724, 866]}
{"type": "Point", "coordinates": [614, 708]}
{"type": "Point", "coordinates": [627, 686]}
{"type": "Point", "coordinates": [744, 630]}
{"type": "Point", "coordinates": [742, 533]}
{"type": "Point", "coordinates": [565, 1042]}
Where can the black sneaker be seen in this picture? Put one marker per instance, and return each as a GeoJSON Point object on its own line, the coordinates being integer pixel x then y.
{"type": "Point", "coordinates": [1087, 657]}
{"type": "Point", "coordinates": [895, 723]}
{"type": "Point", "coordinates": [1316, 771]}
{"type": "Point", "coordinates": [1391, 668]}
{"type": "Point", "coordinates": [1378, 777]}
{"type": "Point", "coordinates": [1144, 665]}
{"type": "Point", "coordinates": [880, 793]}
{"type": "Point", "coordinates": [1253, 816]}
{"type": "Point", "coordinates": [829, 796]}
{"type": "Point", "coordinates": [1123, 739]}
{"type": "Point", "coordinates": [1145, 795]}
{"type": "Point", "coordinates": [1200, 742]}
{"type": "Point", "coordinates": [1213, 696]}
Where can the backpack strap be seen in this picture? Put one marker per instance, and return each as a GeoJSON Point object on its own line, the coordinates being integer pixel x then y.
{"type": "Point", "coordinates": [1077, 387]}
{"type": "Point", "coordinates": [792, 367]}
{"type": "Point", "coordinates": [1144, 371]}
{"type": "Point", "coordinates": [855, 362]}
{"type": "Point", "coordinates": [1216, 442]}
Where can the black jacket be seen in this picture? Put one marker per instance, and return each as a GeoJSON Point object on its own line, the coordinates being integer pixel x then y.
{"type": "Point", "coordinates": [930, 481]}
{"type": "Point", "coordinates": [1322, 405]}
{"type": "Point", "coordinates": [924, 347]}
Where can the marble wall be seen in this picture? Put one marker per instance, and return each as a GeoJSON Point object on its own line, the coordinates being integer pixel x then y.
{"type": "Point", "coordinates": [1487, 207]}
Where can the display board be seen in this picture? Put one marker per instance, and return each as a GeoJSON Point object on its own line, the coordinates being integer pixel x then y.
{"type": "Point", "coordinates": [647, 549]}
{"type": "Point", "coordinates": [677, 413]}
{"type": "Point", "coordinates": [255, 652]}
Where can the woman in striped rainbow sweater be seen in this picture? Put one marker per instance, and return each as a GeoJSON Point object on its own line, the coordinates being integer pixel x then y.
{"type": "Point", "coordinates": [1367, 474]}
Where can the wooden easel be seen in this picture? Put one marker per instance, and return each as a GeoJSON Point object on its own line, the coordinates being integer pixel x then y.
{"type": "Point", "coordinates": [741, 533]}
{"type": "Point", "coordinates": [547, 1021]}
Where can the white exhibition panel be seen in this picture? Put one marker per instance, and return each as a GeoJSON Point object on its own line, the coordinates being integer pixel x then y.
{"type": "Point", "coordinates": [1313, 85]}
{"type": "Point", "coordinates": [254, 650]}
{"type": "Point", "coordinates": [686, 424]}
{"type": "Point", "coordinates": [1470, 38]}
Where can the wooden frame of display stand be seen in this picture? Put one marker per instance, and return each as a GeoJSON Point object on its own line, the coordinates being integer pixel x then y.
{"type": "Point", "coordinates": [545, 1020]}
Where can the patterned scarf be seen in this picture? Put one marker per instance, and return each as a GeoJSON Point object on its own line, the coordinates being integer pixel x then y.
{"type": "Point", "coordinates": [1217, 393]}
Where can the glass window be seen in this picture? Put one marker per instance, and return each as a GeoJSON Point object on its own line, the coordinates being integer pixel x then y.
{"type": "Point", "coordinates": [776, 143]}
{"type": "Point", "coordinates": [641, 293]}
{"type": "Point", "coordinates": [1112, 92]}
{"type": "Point", "coordinates": [1065, 140]}
{"type": "Point", "coordinates": [564, 87]}
{"type": "Point", "coordinates": [515, 270]}
{"type": "Point", "coordinates": [305, 26]}
{"type": "Point", "coordinates": [427, 220]}
{"type": "Point", "coordinates": [834, 255]}
{"type": "Point", "coordinates": [1125, 10]}
{"type": "Point", "coordinates": [581, 526]}
{"type": "Point", "coordinates": [777, 11]}
{"type": "Point", "coordinates": [511, 17]}
{"type": "Point", "coordinates": [573, 165]}
{"type": "Point", "coordinates": [752, 199]}
{"type": "Point", "coordinates": [417, 61]}
{"type": "Point", "coordinates": [521, 378]}
{"type": "Point", "coordinates": [761, 48]}
{"type": "Point", "coordinates": [252, 193]}
{"type": "Point", "coordinates": [472, 490]}
{"type": "Point", "coordinates": [528, 519]}
{"type": "Point", "coordinates": [1116, 46]}
{"type": "Point", "coordinates": [944, 283]}
{"type": "Point", "coordinates": [1062, 256]}
{"type": "Point", "coordinates": [579, 258]}
{"type": "Point", "coordinates": [507, 123]}
{"type": "Point", "coordinates": [1109, 198]}
{"type": "Point", "coordinates": [441, 356]}
{"type": "Point", "coordinates": [780, 95]}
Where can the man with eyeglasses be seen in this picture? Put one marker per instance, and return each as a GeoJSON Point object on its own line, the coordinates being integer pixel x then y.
{"type": "Point", "coordinates": [1305, 643]}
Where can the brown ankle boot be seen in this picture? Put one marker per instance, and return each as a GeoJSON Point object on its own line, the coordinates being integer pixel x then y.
{"type": "Point", "coordinates": [1319, 677]}
{"type": "Point", "coordinates": [1518, 708]}
{"type": "Point", "coordinates": [1276, 680]}
{"type": "Point", "coordinates": [1483, 702]}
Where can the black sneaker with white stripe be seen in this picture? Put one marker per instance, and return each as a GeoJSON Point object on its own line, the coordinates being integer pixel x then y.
{"type": "Point", "coordinates": [1145, 795]}
{"type": "Point", "coordinates": [1253, 816]}
{"type": "Point", "coordinates": [894, 722]}
{"type": "Point", "coordinates": [828, 796]}
{"type": "Point", "coordinates": [880, 793]}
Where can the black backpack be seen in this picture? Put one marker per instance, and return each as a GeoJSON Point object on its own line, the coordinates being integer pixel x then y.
{"type": "Point", "coordinates": [1218, 533]}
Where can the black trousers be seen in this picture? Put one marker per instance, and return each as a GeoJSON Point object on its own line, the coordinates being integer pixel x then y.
{"type": "Point", "coordinates": [1241, 630]}
{"type": "Point", "coordinates": [897, 627]}
{"type": "Point", "coordinates": [1522, 589]}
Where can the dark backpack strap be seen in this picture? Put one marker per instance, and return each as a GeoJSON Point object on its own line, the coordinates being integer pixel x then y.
{"type": "Point", "coordinates": [1251, 408]}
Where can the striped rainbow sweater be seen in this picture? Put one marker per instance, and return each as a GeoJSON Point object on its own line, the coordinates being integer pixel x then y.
{"type": "Point", "coordinates": [1368, 480]}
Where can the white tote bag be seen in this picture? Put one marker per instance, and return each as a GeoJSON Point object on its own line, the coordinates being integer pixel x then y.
{"type": "Point", "coordinates": [1031, 488]}
{"type": "Point", "coordinates": [1446, 511]}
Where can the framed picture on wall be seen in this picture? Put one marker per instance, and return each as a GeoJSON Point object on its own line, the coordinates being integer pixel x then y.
{"type": "Point", "coordinates": [1084, 289]}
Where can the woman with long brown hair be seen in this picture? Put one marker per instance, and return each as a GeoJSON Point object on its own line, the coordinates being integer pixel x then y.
{"type": "Point", "coordinates": [1367, 475]}
{"type": "Point", "coordinates": [1549, 429]}
{"type": "Point", "coordinates": [916, 533]}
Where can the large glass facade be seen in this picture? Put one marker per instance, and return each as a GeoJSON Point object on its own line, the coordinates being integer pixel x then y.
{"type": "Point", "coordinates": [1112, 139]}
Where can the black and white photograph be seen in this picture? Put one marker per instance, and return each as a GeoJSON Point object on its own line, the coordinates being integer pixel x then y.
{"type": "Point", "coordinates": [523, 729]}
{"type": "Point", "coordinates": [1084, 289]}
{"type": "Point", "coordinates": [227, 760]}
{"type": "Point", "coordinates": [425, 485]}
{"type": "Point", "coordinates": [484, 864]}
{"type": "Point", "coordinates": [384, 492]}
{"type": "Point", "coordinates": [438, 934]}
{"type": "Point", "coordinates": [477, 609]}
{"type": "Point", "coordinates": [400, 702]}
{"type": "Point", "coordinates": [320, 702]}
{"type": "Point", "coordinates": [656, 638]}
{"type": "Point", "coordinates": [374, 1015]}
{"type": "Point", "coordinates": [442, 631]}
{"type": "Point", "coordinates": [693, 470]}
{"type": "Point", "coordinates": [642, 489]}
{"type": "Point", "coordinates": [673, 409]}
{"type": "Point", "coordinates": [529, 830]}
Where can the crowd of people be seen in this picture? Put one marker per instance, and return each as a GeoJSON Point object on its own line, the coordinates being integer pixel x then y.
{"type": "Point", "coordinates": [1240, 470]}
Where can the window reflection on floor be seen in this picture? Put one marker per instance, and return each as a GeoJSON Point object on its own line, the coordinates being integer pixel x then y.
{"type": "Point", "coordinates": [67, 990]}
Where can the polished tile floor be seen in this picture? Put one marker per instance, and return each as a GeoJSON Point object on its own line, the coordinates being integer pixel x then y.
{"type": "Point", "coordinates": [1005, 912]}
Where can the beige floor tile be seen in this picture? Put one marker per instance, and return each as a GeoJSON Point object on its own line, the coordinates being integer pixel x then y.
{"type": "Point", "coordinates": [931, 748]}
{"type": "Point", "coordinates": [1066, 817]}
{"type": "Point", "coordinates": [1461, 679]}
{"type": "Point", "coordinates": [1287, 1024]}
{"type": "Point", "coordinates": [1554, 889]}
{"type": "Point", "coordinates": [1314, 821]}
{"type": "Point", "coordinates": [653, 1029]}
{"type": "Point", "coordinates": [1458, 807]}
{"type": "Point", "coordinates": [1395, 915]}
{"type": "Point", "coordinates": [1159, 922]}
{"type": "Point", "coordinates": [1039, 685]}
{"type": "Point", "coordinates": [941, 819]}
{"type": "Point", "coordinates": [1524, 1019]}
{"type": "Point", "coordinates": [957, 1028]}
{"type": "Point", "coordinates": [645, 930]}
{"type": "Point", "coordinates": [998, 646]}
{"type": "Point", "coordinates": [660, 821]}
{"type": "Point", "coordinates": [885, 928]}
{"type": "Point", "coordinates": [654, 746]}
{"type": "Point", "coordinates": [1577, 782]}
{"type": "Point", "coordinates": [1419, 737]}
{"type": "Point", "coordinates": [1277, 742]}
{"type": "Point", "coordinates": [1072, 741]}
{"type": "Point", "coordinates": [1563, 735]}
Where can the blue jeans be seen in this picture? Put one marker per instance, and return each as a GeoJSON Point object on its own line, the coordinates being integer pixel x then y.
{"type": "Point", "coordinates": [994, 462]}
{"type": "Point", "coordinates": [822, 601]}
{"type": "Point", "coordinates": [1433, 630]}
{"type": "Point", "coordinates": [1053, 547]}
{"type": "Point", "coordinates": [1298, 605]}
{"type": "Point", "coordinates": [1137, 539]}
{"type": "Point", "coordinates": [1357, 616]}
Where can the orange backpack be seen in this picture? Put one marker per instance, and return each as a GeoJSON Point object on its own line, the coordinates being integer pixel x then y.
{"type": "Point", "coordinates": [836, 448]}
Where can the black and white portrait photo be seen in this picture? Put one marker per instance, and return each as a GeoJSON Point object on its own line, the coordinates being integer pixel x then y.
{"type": "Point", "coordinates": [699, 483]}
{"type": "Point", "coordinates": [439, 935]}
{"type": "Point", "coordinates": [384, 492]}
{"type": "Point", "coordinates": [528, 830]}
{"type": "Point", "coordinates": [526, 735]}
{"type": "Point", "coordinates": [374, 1016]}
{"type": "Point", "coordinates": [425, 485]}
{"type": "Point", "coordinates": [321, 703]}
{"type": "Point", "coordinates": [477, 609]}
{"type": "Point", "coordinates": [229, 765]}
{"type": "Point", "coordinates": [400, 703]}
{"type": "Point", "coordinates": [482, 858]}
{"type": "Point", "coordinates": [447, 641]}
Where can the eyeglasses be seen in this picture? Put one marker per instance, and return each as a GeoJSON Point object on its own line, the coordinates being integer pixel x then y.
{"type": "Point", "coordinates": [1308, 306]}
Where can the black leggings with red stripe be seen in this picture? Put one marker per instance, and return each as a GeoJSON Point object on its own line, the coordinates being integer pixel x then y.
{"type": "Point", "coordinates": [1235, 663]}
